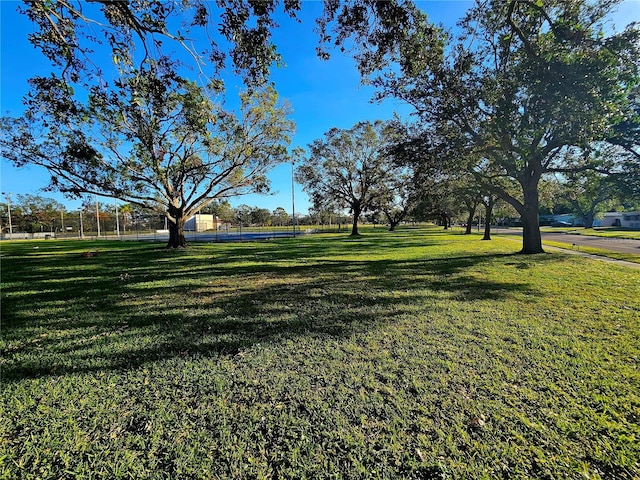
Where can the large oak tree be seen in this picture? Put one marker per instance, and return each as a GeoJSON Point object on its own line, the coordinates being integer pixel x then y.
{"type": "Point", "coordinates": [347, 168]}
{"type": "Point", "coordinates": [151, 139]}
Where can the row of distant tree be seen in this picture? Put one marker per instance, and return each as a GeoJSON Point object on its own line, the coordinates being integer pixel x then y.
{"type": "Point", "coordinates": [33, 213]}
{"type": "Point", "coordinates": [254, 216]}
{"type": "Point", "coordinates": [587, 196]}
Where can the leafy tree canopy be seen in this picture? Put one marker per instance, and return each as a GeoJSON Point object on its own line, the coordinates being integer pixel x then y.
{"type": "Point", "coordinates": [214, 35]}
{"type": "Point", "coordinates": [154, 139]}
{"type": "Point", "coordinates": [349, 168]}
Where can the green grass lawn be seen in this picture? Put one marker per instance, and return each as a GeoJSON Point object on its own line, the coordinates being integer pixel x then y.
{"type": "Point", "coordinates": [415, 354]}
{"type": "Point", "coordinates": [609, 232]}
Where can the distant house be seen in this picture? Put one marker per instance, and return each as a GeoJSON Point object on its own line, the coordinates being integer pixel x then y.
{"type": "Point", "coordinates": [621, 219]}
{"type": "Point", "coordinates": [202, 222]}
{"type": "Point", "coordinates": [567, 218]}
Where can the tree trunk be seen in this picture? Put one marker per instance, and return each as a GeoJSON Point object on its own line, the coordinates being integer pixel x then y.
{"type": "Point", "coordinates": [531, 238]}
{"type": "Point", "coordinates": [394, 220]}
{"type": "Point", "coordinates": [588, 220]}
{"type": "Point", "coordinates": [472, 213]}
{"type": "Point", "coordinates": [354, 227]}
{"type": "Point", "coordinates": [487, 219]}
{"type": "Point", "coordinates": [176, 230]}
{"type": "Point", "coordinates": [444, 218]}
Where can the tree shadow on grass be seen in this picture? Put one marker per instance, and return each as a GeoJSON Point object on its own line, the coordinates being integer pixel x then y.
{"type": "Point", "coordinates": [129, 307]}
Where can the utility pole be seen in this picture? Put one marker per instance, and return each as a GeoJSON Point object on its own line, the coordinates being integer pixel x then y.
{"type": "Point", "coordinates": [115, 201]}
{"type": "Point", "coordinates": [293, 201]}
{"type": "Point", "coordinates": [7, 197]}
{"type": "Point", "coordinates": [98, 215]}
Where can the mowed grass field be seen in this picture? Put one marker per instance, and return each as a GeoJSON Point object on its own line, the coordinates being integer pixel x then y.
{"type": "Point", "coordinates": [415, 354]}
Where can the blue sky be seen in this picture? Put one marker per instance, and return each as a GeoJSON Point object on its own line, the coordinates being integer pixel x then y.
{"type": "Point", "coordinates": [324, 94]}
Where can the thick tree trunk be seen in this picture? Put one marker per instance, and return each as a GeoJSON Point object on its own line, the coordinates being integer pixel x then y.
{"type": "Point", "coordinates": [472, 213]}
{"type": "Point", "coordinates": [588, 220]}
{"type": "Point", "coordinates": [394, 220]}
{"type": "Point", "coordinates": [176, 231]}
{"type": "Point", "coordinates": [487, 222]}
{"type": "Point", "coordinates": [445, 220]}
{"type": "Point", "coordinates": [354, 227]}
{"type": "Point", "coordinates": [531, 238]}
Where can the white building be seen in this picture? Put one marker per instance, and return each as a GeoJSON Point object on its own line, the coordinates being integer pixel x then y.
{"type": "Point", "coordinates": [621, 219]}
{"type": "Point", "coordinates": [202, 222]}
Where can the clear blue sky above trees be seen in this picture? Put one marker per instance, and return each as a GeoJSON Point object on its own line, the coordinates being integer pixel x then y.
{"type": "Point", "coordinates": [324, 94]}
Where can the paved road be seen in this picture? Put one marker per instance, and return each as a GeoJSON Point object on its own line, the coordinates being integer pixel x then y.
{"type": "Point", "coordinates": [619, 245]}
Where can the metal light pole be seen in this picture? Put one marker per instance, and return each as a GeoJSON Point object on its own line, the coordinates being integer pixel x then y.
{"type": "Point", "coordinates": [7, 197]}
{"type": "Point", "coordinates": [196, 219]}
{"type": "Point", "coordinates": [81, 226]}
{"type": "Point", "coordinates": [293, 200]}
{"type": "Point", "coordinates": [98, 216]}
{"type": "Point", "coordinates": [115, 201]}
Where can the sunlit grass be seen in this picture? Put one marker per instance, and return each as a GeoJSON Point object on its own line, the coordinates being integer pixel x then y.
{"type": "Point", "coordinates": [608, 232]}
{"type": "Point", "coordinates": [418, 354]}
{"type": "Point", "coordinates": [611, 232]}
{"type": "Point", "coordinates": [628, 257]}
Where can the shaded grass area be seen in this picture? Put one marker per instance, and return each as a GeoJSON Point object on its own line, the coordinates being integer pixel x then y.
{"type": "Point", "coordinates": [417, 354]}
